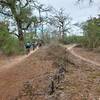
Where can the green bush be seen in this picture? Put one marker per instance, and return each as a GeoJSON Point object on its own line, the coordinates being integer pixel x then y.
{"type": "Point", "coordinates": [72, 39]}
{"type": "Point", "coordinates": [9, 44]}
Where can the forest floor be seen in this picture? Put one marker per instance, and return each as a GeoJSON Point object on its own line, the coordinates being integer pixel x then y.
{"type": "Point", "coordinates": [79, 83]}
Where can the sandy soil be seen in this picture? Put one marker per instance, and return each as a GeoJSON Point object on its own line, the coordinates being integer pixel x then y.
{"type": "Point", "coordinates": [26, 68]}
{"type": "Point", "coordinates": [8, 62]}
{"type": "Point", "coordinates": [88, 54]}
{"type": "Point", "coordinates": [79, 83]}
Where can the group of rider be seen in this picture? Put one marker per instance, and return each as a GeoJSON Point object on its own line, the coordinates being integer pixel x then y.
{"type": "Point", "coordinates": [33, 45]}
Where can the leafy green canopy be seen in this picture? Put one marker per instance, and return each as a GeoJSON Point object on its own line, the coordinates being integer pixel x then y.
{"type": "Point", "coordinates": [8, 43]}
{"type": "Point", "coordinates": [20, 11]}
{"type": "Point", "coordinates": [91, 31]}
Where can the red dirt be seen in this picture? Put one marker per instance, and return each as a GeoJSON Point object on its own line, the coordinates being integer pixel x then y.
{"type": "Point", "coordinates": [34, 66]}
{"type": "Point", "coordinates": [7, 62]}
{"type": "Point", "coordinates": [93, 56]}
{"type": "Point", "coordinates": [79, 84]}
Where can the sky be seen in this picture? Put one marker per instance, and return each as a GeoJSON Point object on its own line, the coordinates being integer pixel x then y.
{"type": "Point", "coordinates": [78, 12]}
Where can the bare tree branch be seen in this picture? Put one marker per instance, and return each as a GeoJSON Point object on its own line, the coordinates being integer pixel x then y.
{"type": "Point", "coordinates": [27, 26]}
{"type": "Point", "coordinates": [6, 14]}
{"type": "Point", "coordinates": [4, 3]}
{"type": "Point", "coordinates": [26, 4]}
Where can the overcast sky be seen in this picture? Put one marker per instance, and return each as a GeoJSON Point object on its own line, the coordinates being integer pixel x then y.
{"type": "Point", "coordinates": [79, 13]}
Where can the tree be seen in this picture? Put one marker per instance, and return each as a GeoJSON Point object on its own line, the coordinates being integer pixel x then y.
{"type": "Point", "coordinates": [35, 25]}
{"type": "Point", "coordinates": [20, 12]}
{"type": "Point", "coordinates": [8, 43]}
{"type": "Point", "coordinates": [91, 31]}
{"type": "Point", "coordinates": [61, 22]}
{"type": "Point", "coordinates": [41, 8]}
{"type": "Point", "coordinates": [4, 35]}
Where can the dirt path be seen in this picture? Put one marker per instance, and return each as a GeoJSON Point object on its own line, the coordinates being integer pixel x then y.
{"type": "Point", "coordinates": [10, 63]}
{"type": "Point", "coordinates": [17, 60]}
{"type": "Point", "coordinates": [37, 67]}
{"type": "Point", "coordinates": [70, 48]}
{"type": "Point", "coordinates": [27, 68]}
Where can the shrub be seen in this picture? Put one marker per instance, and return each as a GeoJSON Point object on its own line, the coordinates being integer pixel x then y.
{"type": "Point", "coordinates": [9, 44]}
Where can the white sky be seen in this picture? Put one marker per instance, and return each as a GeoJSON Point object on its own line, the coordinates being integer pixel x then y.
{"type": "Point", "coordinates": [79, 13]}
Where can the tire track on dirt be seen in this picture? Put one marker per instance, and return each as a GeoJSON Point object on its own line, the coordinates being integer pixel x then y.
{"type": "Point", "coordinates": [72, 52]}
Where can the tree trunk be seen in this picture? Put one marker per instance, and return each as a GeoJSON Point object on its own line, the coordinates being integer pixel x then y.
{"type": "Point", "coordinates": [63, 33]}
{"type": "Point", "coordinates": [35, 28]}
{"type": "Point", "coordinates": [59, 28]}
{"type": "Point", "coordinates": [19, 26]}
{"type": "Point", "coordinates": [42, 30]}
{"type": "Point", "coordinates": [21, 39]}
{"type": "Point", "coordinates": [35, 31]}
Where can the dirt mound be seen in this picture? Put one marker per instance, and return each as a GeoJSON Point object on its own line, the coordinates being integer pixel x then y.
{"type": "Point", "coordinates": [51, 52]}
{"type": "Point", "coordinates": [36, 67]}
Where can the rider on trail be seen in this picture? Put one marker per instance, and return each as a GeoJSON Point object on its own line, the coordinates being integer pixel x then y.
{"type": "Point", "coordinates": [28, 46]}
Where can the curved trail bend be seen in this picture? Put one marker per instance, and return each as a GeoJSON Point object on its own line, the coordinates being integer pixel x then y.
{"type": "Point", "coordinates": [70, 49]}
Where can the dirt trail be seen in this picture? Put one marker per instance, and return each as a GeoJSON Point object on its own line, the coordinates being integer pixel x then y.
{"type": "Point", "coordinates": [27, 68]}
{"type": "Point", "coordinates": [19, 59]}
{"type": "Point", "coordinates": [12, 62]}
{"type": "Point", "coordinates": [70, 48]}
{"type": "Point", "coordinates": [37, 67]}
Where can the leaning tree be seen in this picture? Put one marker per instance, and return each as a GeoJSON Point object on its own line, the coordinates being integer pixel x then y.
{"type": "Point", "coordinates": [21, 13]}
